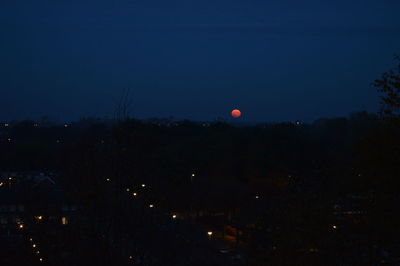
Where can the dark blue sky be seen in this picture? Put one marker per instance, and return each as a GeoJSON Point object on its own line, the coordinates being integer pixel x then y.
{"type": "Point", "coordinates": [274, 60]}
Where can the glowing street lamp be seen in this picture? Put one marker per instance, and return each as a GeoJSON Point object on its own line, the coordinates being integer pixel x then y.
{"type": "Point", "coordinates": [209, 233]}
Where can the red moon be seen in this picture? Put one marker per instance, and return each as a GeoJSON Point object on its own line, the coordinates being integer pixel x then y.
{"type": "Point", "coordinates": [236, 113]}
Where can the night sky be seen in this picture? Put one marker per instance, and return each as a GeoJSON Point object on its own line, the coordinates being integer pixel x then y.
{"type": "Point", "coordinates": [197, 59]}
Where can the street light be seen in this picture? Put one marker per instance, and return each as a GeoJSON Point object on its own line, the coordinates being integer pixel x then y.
{"type": "Point", "coordinates": [209, 233]}
{"type": "Point", "coordinates": [151, 205]}
{"type": "Point", "coordinates": [143, 185]}
{"type": "Point", "coordinates": [174, 216]}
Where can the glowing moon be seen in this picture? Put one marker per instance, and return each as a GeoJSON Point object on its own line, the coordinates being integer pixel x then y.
{"type": "Point", "coordinates": [236, 113]}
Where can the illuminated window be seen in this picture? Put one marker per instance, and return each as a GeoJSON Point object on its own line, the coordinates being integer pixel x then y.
{"type": "Point", "coordinates": [64, 220]}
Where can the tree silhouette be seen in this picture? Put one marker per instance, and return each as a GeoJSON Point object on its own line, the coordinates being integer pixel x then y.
{"type": "Point", "coordinates": [389, 86]}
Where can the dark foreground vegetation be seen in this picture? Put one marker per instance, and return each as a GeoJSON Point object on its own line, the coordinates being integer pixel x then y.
{"type": "Point", "coordinates": [162, 192]}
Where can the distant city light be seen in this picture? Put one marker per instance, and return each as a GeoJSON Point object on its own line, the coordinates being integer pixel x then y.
{"type": "Point", "coordinates": [134, 194]}
{"type": "Point", "coordinates": [34, 245]}
{"type": "Point", "coordinates": [127, 190]}
{"type": "Point", "coordinates": [108, 179]}
{"type": "Point", "coordinates": [257, 197]}
{"type": "Point", "coordinates": [6, 124]}
{"type": "Point", "coordinates": [37, 252]}
{"type": "Point", "coordinates": [151, 205]}
{"type": "Point", "coordinates": [40, 259]}
{"type": "Point", "coordinates": [209, 233]}
{"type": "Point", "coordinates": [130, 257]}
{"type": "Point", "coordinates": [21, 226]}
{"type": "Point", "coordinates": [143, 185]}
{"type": "Point", "coordinates": [174, 216]}
{"type": "Point", "coordinates": [39, 217]}
{"type": "Point", "coordinates": [334, 227]}
{"type": "Point", "coordinates": [66, 125]}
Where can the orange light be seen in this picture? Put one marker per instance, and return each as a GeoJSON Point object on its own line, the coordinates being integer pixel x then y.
{"type": "Point", "coordinates": [236, 113]}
